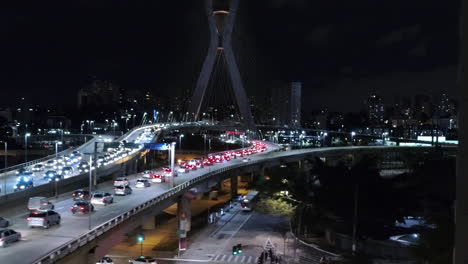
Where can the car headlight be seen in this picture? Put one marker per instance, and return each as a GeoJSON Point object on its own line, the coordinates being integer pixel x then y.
{"type": "Point", "coordinates": [22, 187]}
{"type": "Point", "coordinates": [15, 187]}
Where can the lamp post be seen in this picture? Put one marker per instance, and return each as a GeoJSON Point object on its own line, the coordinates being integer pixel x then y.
{"type": "Point", "coordinates": [56, 147]}
{"type": "Point", "coordinates": [56, 187]}
{"type": "Point", "coordinates": [352, 137]}
{"type": "Point", "coordinates": [180, 141]}
{"type": "Point", "coordinates": [90, 184]}
{"type": "Point", "coordinates": [26, 146]}
{"type": "Point", "coordinates": [204, 144]}
{"type": "Point", "coordinates": [6, 165]}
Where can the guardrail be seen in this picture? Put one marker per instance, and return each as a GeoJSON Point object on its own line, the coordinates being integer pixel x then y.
{"type": "Point", "coordinates": [29, 163]}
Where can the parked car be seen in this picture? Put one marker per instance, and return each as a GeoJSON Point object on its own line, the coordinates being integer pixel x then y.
{"type": "Point", "coordinates": [39, 203]}
{"type": "Point", "coordinates": [142, 183]}
{"type": "Point", "coordinates": [43, 218]}
{"type": "Point", "coordinates": [82, 207]}
{"type": "Point", "coordinates": [8, 236]}
{"type": "Point", "coordinates": [80, 194]}
{"type": "Point", "coordinates": [122, 190]}
{"type": "Point", "coordinates": [102, 198]}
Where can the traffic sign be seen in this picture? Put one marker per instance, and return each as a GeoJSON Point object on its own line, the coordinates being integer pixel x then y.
{"type": "Point", "coordinates": [268, 245]}
{"type": "Point", "coordinates": [157, 146]}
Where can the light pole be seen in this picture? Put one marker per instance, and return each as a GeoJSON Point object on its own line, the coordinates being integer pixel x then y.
{"type": "Point", "coordinates": [56, 147]}
{"type": "Point", "coordinates": [81, 128]}
{"type": "Point", "coordinates": [90, 184]}
{"type": "Point", "coordinates": [56, 187]}
{"type": "Point", "coordinates": [6, 165]}
{"type": "Point", "coordinates": [173, 173]}
{"type": "Point", "coordinates": [352, 137]}
{"type": "Point", "coordinates": [180, 141]}
{"type": "Point", "coordinates": [26, 146]}
{"type": "Point", "coordinates": [204, 144]}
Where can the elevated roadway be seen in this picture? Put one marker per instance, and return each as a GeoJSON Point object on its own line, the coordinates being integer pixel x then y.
{"type": "Point", "coordinates": [47, 246]}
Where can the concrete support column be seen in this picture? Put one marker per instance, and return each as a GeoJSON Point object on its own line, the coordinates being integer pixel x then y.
{"type": "Point", "coordinates": [219, 185]}
{"type": "Point", "coordinates": [234, 180]}
{"type": "Point", "coordinates": [149, 224]}
{"type": "Point", "coordinates": [461, 204]}
{"type": "Point", "coordinates": [184, 214]}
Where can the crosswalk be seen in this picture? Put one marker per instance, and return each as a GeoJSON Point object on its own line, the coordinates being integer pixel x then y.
{"type": "Point", "coordinates": [233, 258]}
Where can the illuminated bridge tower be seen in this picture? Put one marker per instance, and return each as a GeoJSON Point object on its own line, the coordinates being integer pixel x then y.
{"type": "Point", "coordinates": [221, 17]}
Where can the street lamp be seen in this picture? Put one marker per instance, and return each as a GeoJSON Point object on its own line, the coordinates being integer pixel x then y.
{"type": "Point", "coordinates": [26, 146]}
{"type": "Point", "coordinates": [352, 137]}
{"type": "Point", "coordinates": [6, 165]}
{"type": "Point", "coordinates": [180, 141]}
{"type": "Point", "coordinates": [56, 187]}
{"type": "Point", "coordinates": [56, 147]}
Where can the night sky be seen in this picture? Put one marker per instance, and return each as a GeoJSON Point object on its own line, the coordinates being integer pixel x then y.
{"type": "Point", "coordinates": [341, 50]}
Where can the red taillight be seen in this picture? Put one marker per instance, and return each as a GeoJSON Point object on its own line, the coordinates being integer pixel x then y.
{"type": "Point", "coordinates": [29, 218]}
{"type": "Point", "coordinates": [103, 199]}
{"type": "Point", "coordinates": [71, 208]}
{"type": "Point", "coordinates": [82, 208]}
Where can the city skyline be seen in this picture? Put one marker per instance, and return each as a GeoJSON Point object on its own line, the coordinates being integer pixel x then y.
{"type": "Point", "coordinates": [131, 47]}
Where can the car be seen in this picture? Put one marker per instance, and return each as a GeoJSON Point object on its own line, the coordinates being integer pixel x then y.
{"type": "Point", "coordinates": [142, 183]}
{"type": "Point", "coordinates": [49, 174]}
{"type": "Point", "coordinates": [24, 171]}
{"type": "Point", "coordinates": [8, 236]}
{"type": "Point", "coordinates": [105, 260]}
{"type": "Point", "coordinates": [50, 164]}
{"type": "Point", "coordinates": [207, 162]}
{"type": "Point", "coordinates": [23, 183]}
{"type": "Point", "coordinates": [43, 218]}
{"type": "Point", "coordinates": [67, 170]}
{"type": "Point", "coordinates": [39, 203]}
{"type": "Point", "coordinates": [167, 172]}
{"type": "Point", "coordinates": [38, 167]}
{"type": "Point", "coordinates": [122, 190]}
{"type": "Point", "coordinates": [245, 159]}
{"type": "Point", "coordinates": [103, 198]}
{"type": "Point", "coordinates": [82, 207]}
{"type": "Point", "coordinates": [4, 222]}
{"type": "Point", "coordinates": [157, 178]}
{"type": "Point", "coordinates": [121, 181]}
{"type": "Point", "coordinates": [146, 174]}
{"type": "Point", "coordinates": [80, 194]}
{"type": "Point", "coordinates": [142, 259]}
{"type": "Point", "coordinates": [183, 170]}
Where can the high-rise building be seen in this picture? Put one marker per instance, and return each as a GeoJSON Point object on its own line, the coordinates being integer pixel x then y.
{"type": "Point", "coordinates": [296, 95]}
{"type": "Point", "coordinates": [375, 109]}
{"type": "Point", "coordinates": [99, 93]}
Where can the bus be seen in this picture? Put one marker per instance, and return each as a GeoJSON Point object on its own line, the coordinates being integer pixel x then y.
{"type": "Point", "coordinates": [248, 200]}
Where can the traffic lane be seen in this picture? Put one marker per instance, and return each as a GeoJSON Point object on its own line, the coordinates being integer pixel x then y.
{"type": "Point", "coordinates": [72, 226]}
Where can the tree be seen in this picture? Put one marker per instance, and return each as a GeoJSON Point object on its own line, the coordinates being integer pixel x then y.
{"type": "Point", "coordinates": [276, 207]}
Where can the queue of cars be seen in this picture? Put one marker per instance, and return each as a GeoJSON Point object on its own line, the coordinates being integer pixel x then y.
{"type": "Point", "coordinates": [43, 215]}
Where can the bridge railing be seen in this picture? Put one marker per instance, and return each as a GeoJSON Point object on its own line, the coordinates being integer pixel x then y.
{"type": "Point", "coordinates": [33, 162]}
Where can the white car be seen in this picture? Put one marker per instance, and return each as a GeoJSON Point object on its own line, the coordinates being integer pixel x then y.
{"type": "Point", "coordinates": [146, 174]}
{"type": "Point", "coordinates": [141, 260]}
{"type": "Point", "coordinates": [182, 170]}
{"type": "Point", "coordinates": [105, 260]}
{"type": "Point", "coordinates": [121, 181]}
{"type": "Point", "coordinates": [142, 183]}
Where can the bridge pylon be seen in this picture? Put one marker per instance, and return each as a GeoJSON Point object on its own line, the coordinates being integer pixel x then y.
{"type": "Point", "coordinates": [221, 19]}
